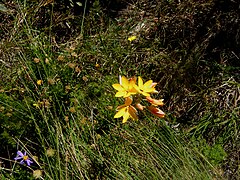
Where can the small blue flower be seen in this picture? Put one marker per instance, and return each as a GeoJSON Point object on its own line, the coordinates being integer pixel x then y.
{"type": "Point", "coordinates": [24, 158]}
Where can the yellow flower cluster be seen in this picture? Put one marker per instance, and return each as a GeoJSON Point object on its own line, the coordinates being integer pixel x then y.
{"type": "Point", "coordinates": [129, 89]}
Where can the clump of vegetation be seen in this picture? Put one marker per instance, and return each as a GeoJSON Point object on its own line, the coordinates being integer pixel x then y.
{"type": "Point", "coordinates": [57, 103]}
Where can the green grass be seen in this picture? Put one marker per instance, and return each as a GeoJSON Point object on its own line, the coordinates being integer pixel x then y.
{"type": "Point", "coordinates": [71, 112]}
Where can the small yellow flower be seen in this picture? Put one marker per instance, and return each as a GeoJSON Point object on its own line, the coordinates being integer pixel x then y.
{"type": "Point", "coordinates": [60, 58]}
{"type": "Point", "coordinates": [67, 88]}
{"type": "Point", "coordinates": [66, 118]}
{"type": "Point", "coordinates": [125, 88]}
{"type": "Point", "coordinates": [84, 78]}
{"type": "Point", "coordinates": [39, 82]}
{"type": "Point", "coordinates": [51, 81]}
{"type": "Point", "coordinates": [74, 54]}
{"type": "Point", "coordinates": [36, 60]}
{"type": "Point", "coordinates": [72, 65]}
{"type": "Point", "coordinates": [72, 109]}
{"type": "Point", "coordinates": [132, 38]}
{"type": "Point", "coordinates": [77, 69]}
{"type": "Point", "coordinates": [126, 111]}
{"type": "Point", "coordinates": [50, 152]}
{"type": "Point", "coordinates": [146, 88]}
{"type": "Point", "coordinates": [84, 120]}
{"type": "Point", "coordinates": [37, 174]}
{"type": "Point", "coordinates": [97, 65]}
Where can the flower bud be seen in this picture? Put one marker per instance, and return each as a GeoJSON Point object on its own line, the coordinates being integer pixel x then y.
{"type": "Point", "coordinates": [139, 106]}
{"type": "Point", "coordinates": [155, 102]}
{"type": "Point", "coordinates": [156, 111]}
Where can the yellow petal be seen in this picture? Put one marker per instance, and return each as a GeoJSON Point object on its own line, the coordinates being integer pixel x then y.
{"type": "Point", "coordinates": [133, 90]}
{"type": "Point", "coordinates": [125, 117]}
{"type": "Point", "coordinates": [124, 82]}
{"type": "Point", "coordinates": [136, 88]}
{"type": "Point", "coordinates": [118, 87]}
{"type": "Point", "coordinates": [120, 94]}
{"type": "Point", "coordinates": [140, 82]}
{"type": "Point", "coordinates": [120, 113]}
{"type": "Point", "coordinates": [133, 112]}
{"type": "Point", "coordinates": [129, 94]}
{"type": "Point", "coordinates": [148, 84]}
{"type": "Point", "coordinates": [149, 90]}
{"type": "Point", "coordinates": [145, 94]}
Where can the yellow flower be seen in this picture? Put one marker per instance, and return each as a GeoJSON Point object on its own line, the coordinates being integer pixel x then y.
{"type": "Point", "coordinates": [60, 58]}
{"type": "Point", "coordinates": [39, 82]}
{"type": "Point", "coordinates": [125, 88]}
{"type": "Point", "coordinates": [146, 88]}
{"type": "Point", "coordinates": [156, 111]}
{"type": "Point", "coordinates": [72, 109]}
{"type": "Point", "coordinates": [126, 111]}
{"type": "Point", "coordinates": [37, 173]}
{"type": "Point", "coordinates": [50, 152]}
{"type": "Point", "coordinates": [155, 102]}
{"type": "Point", "coordinates": [71, 65]}
{"type": "Point", "coordinates": [36, 60]}
{"type": "Point", "coordinates": [132, 38]}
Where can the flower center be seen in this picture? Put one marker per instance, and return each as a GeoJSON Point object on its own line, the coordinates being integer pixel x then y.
{"type": "Point", "coordinates": [25, 158]}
